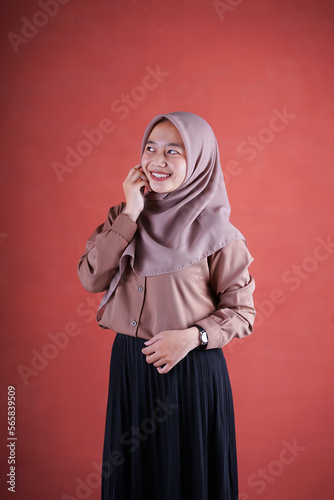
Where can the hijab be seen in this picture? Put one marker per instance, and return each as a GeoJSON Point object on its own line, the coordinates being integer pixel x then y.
{"type": "Point", "coordinates": [178, 229]}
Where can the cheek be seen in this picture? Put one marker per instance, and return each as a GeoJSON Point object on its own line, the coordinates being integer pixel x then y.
{"type": "Point", "coordinates": [182, 171]}
{"type": "Point", "coordinates": [144, 161]}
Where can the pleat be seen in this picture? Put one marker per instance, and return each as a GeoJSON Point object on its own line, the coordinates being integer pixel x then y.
{"type": "Point", "coordinates": [171, 436]}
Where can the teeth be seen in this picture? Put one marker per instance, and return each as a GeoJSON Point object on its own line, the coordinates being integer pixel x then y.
{"type": "Point", "coordinates": [160, 175]}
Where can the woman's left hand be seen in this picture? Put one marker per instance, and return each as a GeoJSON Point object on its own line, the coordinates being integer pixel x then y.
{"type": "Point", "coordinates": [169, 347]}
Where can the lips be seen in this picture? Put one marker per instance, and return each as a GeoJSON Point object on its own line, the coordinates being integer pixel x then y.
{"type": "Point", "coordinates": [159, 176]}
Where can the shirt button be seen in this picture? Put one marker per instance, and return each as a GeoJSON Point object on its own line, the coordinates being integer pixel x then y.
{"type": "Point", "coordinates": [140, 288]}
{"type": "Point", "coordinates": [133, 323]}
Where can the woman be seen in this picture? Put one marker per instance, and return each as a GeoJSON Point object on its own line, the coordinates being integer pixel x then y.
{"type": "Point", "coordinates": [177, 285]}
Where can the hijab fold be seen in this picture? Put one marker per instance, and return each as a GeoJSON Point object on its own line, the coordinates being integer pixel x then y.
{"type": "Point", "coordinates": [180, 228]}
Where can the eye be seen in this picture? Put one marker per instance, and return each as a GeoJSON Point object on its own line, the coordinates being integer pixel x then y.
{"type": "Point", "coordinates": [149, 148]}
{"type": "Point", "coordinates": [173, 152]}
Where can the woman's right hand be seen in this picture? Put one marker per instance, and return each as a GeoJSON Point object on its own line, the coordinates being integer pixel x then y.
{"type": "Point", "coordinates": [134, 186]}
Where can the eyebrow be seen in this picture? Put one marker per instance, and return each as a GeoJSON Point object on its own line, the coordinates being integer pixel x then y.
{"type": "Point", "coordinates": [174, 144]}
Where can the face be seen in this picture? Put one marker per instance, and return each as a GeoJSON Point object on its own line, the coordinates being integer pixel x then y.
{"type": "Point", "coordinates": [164, 158]}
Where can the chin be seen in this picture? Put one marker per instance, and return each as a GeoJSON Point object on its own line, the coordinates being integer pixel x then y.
{"type": "Point", "coordinates": [159, 189]}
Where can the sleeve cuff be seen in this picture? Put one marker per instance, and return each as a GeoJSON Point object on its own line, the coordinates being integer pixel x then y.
{"type": "Point", "coordinates": [124, 227]}
{"type": "Point", "coordinates": [216, 337]}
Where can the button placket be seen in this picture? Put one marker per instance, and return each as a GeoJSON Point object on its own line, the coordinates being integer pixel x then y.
{"type": "Point", "coordinates": [139, 301]}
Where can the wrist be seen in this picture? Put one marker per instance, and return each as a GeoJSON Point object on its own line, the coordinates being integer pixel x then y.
{"type": "Point", "coordinates": [133, 214]}
{"type": "Point", "coordinates": [202, 336]}
{"type": "Point", "coordinates": [193, 337]}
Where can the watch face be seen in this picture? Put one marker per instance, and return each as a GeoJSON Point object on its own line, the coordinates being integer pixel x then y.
{"type": "Point", "coordinates": [204, 338]}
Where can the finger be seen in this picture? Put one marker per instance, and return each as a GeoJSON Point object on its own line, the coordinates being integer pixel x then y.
{"type": "Point", "coordinates": [145, 181]}
{"type": "Point", "coordinates": [135, 175]}
{"type": "Point", "coordinates": [138, 177]}
{"type": "Point", "coordinates": [153, 358]}
{"type": "Point", "coordinates": [164, 369]}
{"type": "Point", "coordinates": [139, 184]}
{"type": "Point", "coordinates": [152, 340]}
{"type": "Point", "coordinates": [148, 351]}
{"type": "Point", "coordinates": [159, 363]}
{"type": "Point", "coordinates": [142, 170]}
{"type": "Point", "coordinates": [139, 168]}
{"type": "Point", "coordinates": [131, 171]}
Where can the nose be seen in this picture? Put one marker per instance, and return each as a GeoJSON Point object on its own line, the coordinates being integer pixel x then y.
{"type": "Point", "coordinates": [160, 160]}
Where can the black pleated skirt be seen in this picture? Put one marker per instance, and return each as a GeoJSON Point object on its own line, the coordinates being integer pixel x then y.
{"type": "Point", "coordinates": [170, 436]}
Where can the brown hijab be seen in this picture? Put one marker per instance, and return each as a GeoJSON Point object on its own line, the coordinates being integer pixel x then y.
{"type": "Point", "coordinates": [180, 228]}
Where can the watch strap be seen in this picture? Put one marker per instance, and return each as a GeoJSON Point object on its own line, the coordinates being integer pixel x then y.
{"type": "Point", "coordinates": [202, 333]}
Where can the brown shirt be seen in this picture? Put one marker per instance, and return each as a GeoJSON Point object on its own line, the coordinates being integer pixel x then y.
{"type": "Point", "coordinates": [215, 293]}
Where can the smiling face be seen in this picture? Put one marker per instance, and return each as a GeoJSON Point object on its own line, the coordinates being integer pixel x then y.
{"type": "Point", "coordinates": [164, 158]}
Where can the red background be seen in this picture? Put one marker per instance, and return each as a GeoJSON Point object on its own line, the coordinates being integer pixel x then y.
{"type": "Point", "coordinates": [234, 66]}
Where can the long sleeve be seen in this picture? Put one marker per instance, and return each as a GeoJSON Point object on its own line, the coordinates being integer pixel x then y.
{"type": "Point", "coordinates": [99, 263]}
{"type": "Point", "coordinates": [233, 288]}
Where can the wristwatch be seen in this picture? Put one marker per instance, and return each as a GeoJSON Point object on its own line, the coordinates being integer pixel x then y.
{"type": "Point", "coordinates": [203, 337]}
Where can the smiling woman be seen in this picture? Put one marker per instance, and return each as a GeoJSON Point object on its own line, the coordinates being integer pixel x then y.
{"type": "Point", "coordinates": [164, 167]}
{"type": "Point", "coordinates": [175, 272]}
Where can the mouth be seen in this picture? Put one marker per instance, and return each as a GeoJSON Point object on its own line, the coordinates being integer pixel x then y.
{"type": "Point", "coordinates": [158, 176]}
